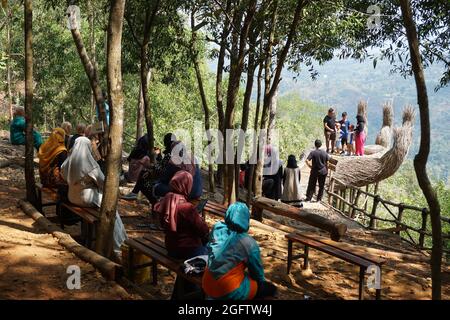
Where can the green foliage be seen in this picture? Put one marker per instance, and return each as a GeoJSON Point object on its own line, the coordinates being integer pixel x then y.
{"type": "Point", "coordinates": [300, 123]}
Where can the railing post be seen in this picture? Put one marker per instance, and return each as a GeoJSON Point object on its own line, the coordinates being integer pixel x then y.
{"type": "Point", "coordinates": [423, 228]}
{"type": "Point", "coordinates": [401, 208]}
{"type": "Point", "coordinates": [331, 189]}
{"type": "Point", "coordinates": [376, 200]}
{"type": "Point", "coordinates": [355, 203]}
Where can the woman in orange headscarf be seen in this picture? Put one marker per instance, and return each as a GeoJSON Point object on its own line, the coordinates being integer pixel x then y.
{"type": "Point", "coordinates": [52, 154]}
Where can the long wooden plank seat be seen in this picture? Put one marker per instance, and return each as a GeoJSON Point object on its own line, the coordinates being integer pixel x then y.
{"type": "Point", "coordinates": [49, 194]}
{"type": "Point", "coordinates": [89, 223]}
{"type": "Point", "coordinates": [156, 251]}
{"type": "Point", "coordinates": [349, 253]}
{"type": "Point", "coordinates": [214, 208]}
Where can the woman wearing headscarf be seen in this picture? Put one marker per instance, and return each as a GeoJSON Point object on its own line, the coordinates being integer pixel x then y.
{"type": "Point", "coordinates": [138, 159]}
{"type": "Point", "coordinates": [85, 180]}
{"type": "Point", "coordinates": [185, 231]}
{"type": "Point", "coordinates": [235, 270]}
{"type": "Point", "coordinates": [148, 177]}
{"type": "Point", "coordinates": [181, 160]}
{"type": "Point", "coordinates": [67, 126]}
{"type": "Point", "coordinates": [17, 129]}
{"type": "Point", "coordinates": [291, 186]}
{"type": "Point", "coordinates": [360, 135]}
{"type": "Point", "coordinates": [52, 155]}
{"type": "Point", "coordinates": [272, 174]}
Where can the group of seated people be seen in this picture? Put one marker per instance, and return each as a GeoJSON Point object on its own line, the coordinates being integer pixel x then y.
{"type": "Point", "coordinates": [76, 174]}
{"type": "Point", "coordinates": [234, 269]}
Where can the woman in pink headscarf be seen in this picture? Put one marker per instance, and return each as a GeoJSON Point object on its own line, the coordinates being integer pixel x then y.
{"type": "Point", "coordinates": [186, 232]}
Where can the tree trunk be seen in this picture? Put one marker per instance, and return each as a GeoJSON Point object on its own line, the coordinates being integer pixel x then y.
{"type": "Point", "coordinates": [140, 113]}
{"type": "Point", "coordinates": [29, 87]}
{"type": "Point", "coordinates": [219, 91]}
{"type": "Point", "coordinates": [238, 52]}
{"type": "Point", "coordinates": [272, 117]}
{"type": "Point", "coordinates": [203, 98]}
{"type": "Point", "coordinates": [8, 62]}
{"type": "Point", "coordinates": [251, 175]}
{"type": "Point", "coordinates": [113, 160]}
{"type": "Point", "coordinates": [270, 89]}
{"type": "Point", "coordinates": [92, 73]}
{"type": "Point", "coordinates": [421, 159]}
{"type": "Point", "coordinates": [145, 69]}
{"type": "Point", "coordinates": [92, 52]}
{"type": "Point", "coordinates": [246, 108]}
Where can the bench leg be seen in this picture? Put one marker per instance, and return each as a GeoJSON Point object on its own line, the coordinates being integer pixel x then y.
{"type": "Point", "coordinates": [154, 272]}
{"type": "Point", "coordinates": [362, 272]}
{"type": "Point", "coordinates": [289, 261]}
{"type": "Point", "coordinates": [378, 291]}
{"type": "Point", "coordinates": [58, 213]}
{"type": "Point", "coordinates": [306, 258]}
{"type": "Point", "coordinates": [130, 263]}
{"type": "Point", "coordinates": [89, 235]}
{"type": "Point", "coordinates": [39, 201]}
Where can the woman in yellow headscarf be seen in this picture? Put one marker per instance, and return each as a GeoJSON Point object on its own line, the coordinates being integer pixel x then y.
{"type": "Point", "coordinates": [52, 154]}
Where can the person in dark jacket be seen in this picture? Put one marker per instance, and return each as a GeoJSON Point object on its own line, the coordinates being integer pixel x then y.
{"type": "Point", "coordinates": [318, 162]}
{"type": "Point", "coordinates": [138, 159]}
{"type": "Point", "coordinates": [272, 174]}
{"type": "Point", "coordinates": [81, 130]}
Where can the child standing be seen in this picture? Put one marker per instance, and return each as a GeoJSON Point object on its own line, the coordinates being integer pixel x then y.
{"type": "Point", "coordinates": [339, 134]}
{"type": "Point", "coordinates": [351, 140]}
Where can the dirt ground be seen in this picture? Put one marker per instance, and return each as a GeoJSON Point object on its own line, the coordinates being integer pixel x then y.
{"type": "Point", "coordinates": [33, 265]}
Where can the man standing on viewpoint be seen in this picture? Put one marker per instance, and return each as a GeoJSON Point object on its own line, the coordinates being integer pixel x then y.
{"type": "Point", "coordinates": [329, 125]}
{"type": "Point", "coordinates": [317, 161]}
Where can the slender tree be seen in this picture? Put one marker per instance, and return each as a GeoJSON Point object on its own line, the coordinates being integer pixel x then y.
{"type": "Point", "coordinates": [29, 87]}
{"type": "Point", "coordinates": [114, 156]}
{"type": "Point", "coordinates": [421, 159]}
{"type": "Point", "coordinates": [92, 74]}
{"type": "Point", "coordinates": [198, 74]}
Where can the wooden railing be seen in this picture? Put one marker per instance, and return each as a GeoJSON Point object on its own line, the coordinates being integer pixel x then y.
{"type": "Point", "coordinates": [371, 210]}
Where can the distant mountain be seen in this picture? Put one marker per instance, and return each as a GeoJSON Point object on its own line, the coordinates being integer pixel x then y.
{"type": "Point", "coordinates": [342, 83]}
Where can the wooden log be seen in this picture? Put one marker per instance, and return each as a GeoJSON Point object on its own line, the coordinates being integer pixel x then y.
{"type": "Point", "coordinates": [337, 230]}
{"type": "Point", "coordinates": [109, 269]}
{"type": "Point", "coordinates": [18, 161]}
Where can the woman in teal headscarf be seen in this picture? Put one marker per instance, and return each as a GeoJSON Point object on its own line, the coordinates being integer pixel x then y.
{"type": "Point", "coordinates": [18, 127]}
{"type": "Point", "coordinates": [231, 251]}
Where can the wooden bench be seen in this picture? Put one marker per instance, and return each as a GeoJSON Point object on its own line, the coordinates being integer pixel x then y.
{"type": "Point", "coordinates": [51, 195]}
{"type": "Point", "coordinates": [349, 253]}
{"type": "Point", "coordinates": [156, 251]}
{"type": "Point", "coordinates": [214, 208]}
{"type": "Point", "coordinates": [89, 223]}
